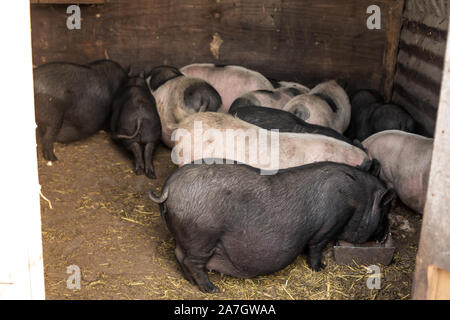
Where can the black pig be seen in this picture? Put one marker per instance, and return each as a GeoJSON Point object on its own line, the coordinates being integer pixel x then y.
{"type": "Point", "coordinates": [371, 115]}
{"type": "Point", "coordinates": [269, 118]}
{"type": "Point", "coordinates": [231, 219]}
{"type": "Point", "coordinates": [73, 101]}
{"type": "Point", "coordinates": [135, 123]}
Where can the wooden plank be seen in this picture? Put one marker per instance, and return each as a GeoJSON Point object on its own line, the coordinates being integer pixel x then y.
{"type": "Point", "coordinates": [418, 110]}
{"type": "Point", "coordinates": [438, 284]}
{"type": "Point", "coordinates": [434, 246]}
{"type": "Point", "coordinates": [21, 266]}
{"type": "Point", "coordinates": [66, 1]}
{"type": "Point", "coordinates": [391, 48]}
{"type": "Point", "coordinates": [307, 41]}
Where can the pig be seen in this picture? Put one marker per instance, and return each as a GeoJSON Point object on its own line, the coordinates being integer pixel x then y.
{"type": "Point", "coordinates": [290, 87]}
{"type": "Point", "coordinates": [230, 81]}
{"type": "Point", "coordinates": [295, 87]}
{"type": "Point", "coordinates": [135, 123]}
{"type": "Point", "coordinates": [230, 219]}
{"type": "Point", "coordinates": [178, 96]}
{"type": "Point", "coordinates": [276, 98]}
{"type": "Point", "coordinates": [371, 115]}
{"type": "Point", "coordinates": [269, 119]}
{"type": "Point", "coordinates": [217, 133]}
{"type": "Point", "coordinates": [327, 105]}
{"type": "Point", "coordinates": [405, 160]}
{"type": "Point", "coordinates": [73, 101]}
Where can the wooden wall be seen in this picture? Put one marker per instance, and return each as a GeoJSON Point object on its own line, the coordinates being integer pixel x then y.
{"type": "Point", "coordinates": [307, 41]}
{"type": "Point", "coordinates": [421, 60]}
{"type": "Point", "coordinates": [434, 246]}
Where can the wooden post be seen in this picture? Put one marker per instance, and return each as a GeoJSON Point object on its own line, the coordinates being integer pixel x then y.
{"type": "Point", "coordinates": [394, 26]}
{"type": "Point", "coordinates": [434, 246]}
{"type": "Point", "coordinates": [21, 263]}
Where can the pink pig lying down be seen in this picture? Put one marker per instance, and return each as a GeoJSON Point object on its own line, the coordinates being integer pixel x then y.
{"type": "Point", "coordinates": [327, 104]}
{"type": "Point", "coordinates": [218, 135]}
{"type": "Point", "coordinates": [178, 96]}
{"type": "Point", "coordinates": [405, 160]}
{"type": "Point", "coordinates": [230, 81]}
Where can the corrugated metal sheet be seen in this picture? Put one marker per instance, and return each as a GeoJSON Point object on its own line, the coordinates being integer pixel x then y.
{"type": "Point", "coordinates": [421, 60]}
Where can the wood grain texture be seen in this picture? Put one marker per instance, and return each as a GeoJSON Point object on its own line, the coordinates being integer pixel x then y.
{"type": "Point", "coordinates": [391, 48]}
{"type": "Point", "coordinates": [66, 1]}
{"type": "Point", "coordinates": [307, 41]}
{"type": "Point", "coordinates": [434, 245]}
{"type": "Point", "coordinates": [438, 283]}
{"type": "Point", "coordinates": [421, 60]}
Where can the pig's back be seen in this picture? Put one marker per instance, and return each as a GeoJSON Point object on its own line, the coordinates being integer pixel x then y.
{"type": "Point", "coordinates": [230, 81]}
{"type": "Point", "coordinates": [262, 222]}
{"type": "Point", "coordinates": [304, 148]}
{"type": "Point", "coordinates": [59, 78]}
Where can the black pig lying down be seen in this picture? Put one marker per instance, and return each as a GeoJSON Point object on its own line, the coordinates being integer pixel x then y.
{"type": "Point", "coordinates": [371, 115]}
{"type": "Point", "coordinates": [135, 123]}
{"type": "Point", "coordinates": [231, 219]}
{"type": "Point", "coordinates": [73, 101]}
{"type": "Point", "coordinates": [269, 118]}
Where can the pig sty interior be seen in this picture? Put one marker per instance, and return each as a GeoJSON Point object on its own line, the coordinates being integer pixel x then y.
{"type": "Point", "coordinates": [100, 217]}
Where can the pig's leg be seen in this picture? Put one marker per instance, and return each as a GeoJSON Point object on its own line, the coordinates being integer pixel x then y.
{"type": "Point", "coordinates": [315, 255]}
{"type": "Point", "coordinates": [199, 250]}
{"type": "Point", "coordinates": [148, 160]}
{"type": "Point", "coordinates": [49, 117]}
{"type": "Point", "coordinates": [322, 237]}
{"type": "Point", "coordinates": [179, 254]}
{"type": "Point", "coordinates": [48, 139]}
{"type": "Point", "coordinates": [137, 153]}
{"type": "Point", "coordinates": [199, 244]}
{"type": "Point", "coordinates": [196, 265]}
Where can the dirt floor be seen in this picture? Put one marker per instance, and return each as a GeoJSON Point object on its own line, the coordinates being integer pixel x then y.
{"type": "Point", "coordinates": [102, 221]}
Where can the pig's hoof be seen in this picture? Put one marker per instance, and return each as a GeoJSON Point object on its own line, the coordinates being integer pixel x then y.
{"type": "Point", "coordinates": [209, 288]}
{"type": "Point", "coordinates": [139, 171]}
{"type": "Point", "coordinates": [50, 156]}
{"type": "Point", "coordinates": [317, 266]}
{"type": "Point", "coordinates": [151, 175]}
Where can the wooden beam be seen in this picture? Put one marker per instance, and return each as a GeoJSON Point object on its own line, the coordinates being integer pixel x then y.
{"type": "Point", "coordinates": [391, 48]}
{"type": "Point", "coordinates": [434, 246]}
{"type": "Point", "coordinates": [21, 262]}
{"type": "Point", "coordinates": [438, 284]}
{"type": "Point", "coordinates": [67, 1]}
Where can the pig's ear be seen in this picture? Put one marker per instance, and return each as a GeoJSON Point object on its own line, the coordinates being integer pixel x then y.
{"type": "Point", "coordinates": [387, 197]}
{"type": "Point", "coordinates": [161, 74]}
